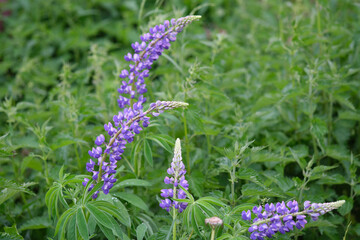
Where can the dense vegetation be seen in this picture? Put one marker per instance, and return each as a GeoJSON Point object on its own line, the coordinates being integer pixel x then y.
{"type": "Point", "coordinates": [274, 114]}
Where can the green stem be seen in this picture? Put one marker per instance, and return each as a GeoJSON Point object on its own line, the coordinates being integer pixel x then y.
{"type": "Point", "coordinates": [187, 147]}
{"type": "Point", "coordinates": [232, 175]}
{"type": "Point", "coordinates": [212, 233]}
{"type": "Point", "coordinates": [174, 211]}
{"type": "Point", "coordinates": [112, 140]}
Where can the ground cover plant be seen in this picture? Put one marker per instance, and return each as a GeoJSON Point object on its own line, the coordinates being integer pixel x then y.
{"type": "Point", "coordinates": [260, 137]}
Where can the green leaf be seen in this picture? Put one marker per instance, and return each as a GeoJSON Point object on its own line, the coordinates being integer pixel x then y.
{"type": "Point", "coordinates": [87, 196]}
{"type": "Point", "coordinates": [100, 216]}
{"type": "Point", "coordinates": [107, 232]}
{"type": "Point", "coordinates": [72, 229]}
{"type": "Point", "coordinates": [132, 199]}
{"type": "Point", "coordinates": [242, 207]}
{"type": "Point", "coordinates": [212, 200]}
{"type": "Point", "coordinates": [161, 141]}
{"type": "Point", "coordinates": [140, 231]}
{"type": "Point", "coordinates": [61, 224]}
{"type": "Point", "coordinates": [31, 162]}
{"type": "Point", "coordinates": [187, 194]}
{"type": "Point", "coordinates": [132, 182]}
{"type": "Point", "coordinates": [13, 232]}
{"type": "Point", "coordinates": [338, 153]}
{"type": "Point", "coordinates": [250, 175]}
{"type": "Point", "coordinates": [349, 115]}
{"type": "Point", "coordinates": [346, 207]}
{"type": "Point", "coordinates": [251, 189]}
{"type": "Point", "coordinates": [148, 153]}
{"type": "Point", "coordinates": [36, 223]}
{"type": "Point", "coordinates": [81, 224]}
{"type": "Point", "coordinates": [119, 212]}
{"type": "Point", "coordinates": [10, 188]}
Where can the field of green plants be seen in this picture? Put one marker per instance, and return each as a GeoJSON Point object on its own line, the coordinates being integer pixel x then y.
{"type": "Point", "coordinates": [273, 119]}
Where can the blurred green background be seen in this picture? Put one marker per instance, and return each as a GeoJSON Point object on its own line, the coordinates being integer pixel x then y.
{"type": "Point", "coordinates": [282, 73]}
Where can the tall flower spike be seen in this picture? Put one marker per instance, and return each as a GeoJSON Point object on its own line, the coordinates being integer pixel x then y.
{"type": "Point", "coordinates": [177, 172]}
{"type": "Point", "coordinates": [132, 118]}
{"type": "Point", "coordinates": [282, 218]}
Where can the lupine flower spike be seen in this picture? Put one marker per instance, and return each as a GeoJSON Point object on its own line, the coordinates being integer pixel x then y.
{"type": "Point", "coordinates": [283, 217]}
{"type": "Point", "coordinates": [132, 118]}
{"type": "Point", "coordinates": [177, 172]}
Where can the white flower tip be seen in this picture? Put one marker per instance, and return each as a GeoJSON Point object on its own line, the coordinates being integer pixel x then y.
{"type": "Point", "coordinates": [177, 150]}
{"type": "Point", "coordinates": [214, 221]}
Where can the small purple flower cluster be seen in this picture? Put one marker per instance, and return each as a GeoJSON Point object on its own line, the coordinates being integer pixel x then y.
{"type": "Point", "coordinates": [132, 119]}
{"type": "Point", "coordinates": [282, 218]}
{"type": "Point", "coordinates": [177, 171]}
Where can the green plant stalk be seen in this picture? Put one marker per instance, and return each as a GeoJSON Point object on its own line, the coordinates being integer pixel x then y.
{"type": "Point", "coordinates": [187, 146]}
{"type": "Point", "coordinates": [174, 210]}
{"type": "Point", "coordinates": [112, 140]}
{"type": "Point", "coordinates": [212, 233]}
{"type": "Point", "coordinates": [232, 177]}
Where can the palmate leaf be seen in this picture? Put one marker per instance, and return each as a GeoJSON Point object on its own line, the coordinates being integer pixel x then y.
{"type": "Point", "coordinates": [100, 216]}
{"type": "Point", "coordinates": [196, 211]}
{"type": "Point", "coordinates": [52, 197]}
{"type": "Point", "coordinates": [119, 213]}
{"type": "Point", "coordinates": [104, 220]}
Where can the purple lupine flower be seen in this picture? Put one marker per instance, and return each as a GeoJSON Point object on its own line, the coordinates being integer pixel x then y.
{"type": "Point", "coordinates": [283, 217]}
{"type": "Point", "coordinates": [132, 119]}
{"type": "Point", "coordinates": [100, 140]}
{"type": "Point", "coordinates": [177, 171]}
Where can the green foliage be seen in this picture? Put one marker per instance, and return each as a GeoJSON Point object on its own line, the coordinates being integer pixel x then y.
{"type": "Point", "coordinates": [274, 115]}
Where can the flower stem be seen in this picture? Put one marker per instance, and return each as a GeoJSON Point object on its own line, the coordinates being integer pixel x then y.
{"type": "Point", "coordinates": [174, 212]}
{"type": "Point", "coordinates": [112, 140]}
{"type": "Point", "coordinates": [212, 233]}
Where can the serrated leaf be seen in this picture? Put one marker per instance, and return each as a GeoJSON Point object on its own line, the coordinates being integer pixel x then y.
{"type": "Point", "coordinates": [13, 232]}
{"type": "Point", "coordinates": [250, 189]}
{"type": "Point", "coordinates": [338, 153]}
{"type": "Point", "coordinates": [10, 188]}
{"type": "Point", "coordinates": [349, 115]}
{"type": "Point", "coordinates": [250, 175]}
{"type": "Point", "coordinates": [36, 223]}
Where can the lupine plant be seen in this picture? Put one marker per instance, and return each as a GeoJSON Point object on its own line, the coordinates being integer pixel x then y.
{"type": "Point", "coordinates": [126, 124]}
{"type": "Point", "coordinates": [177, 171]}
{"type": "Point", "coordinates": [263, 95]}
